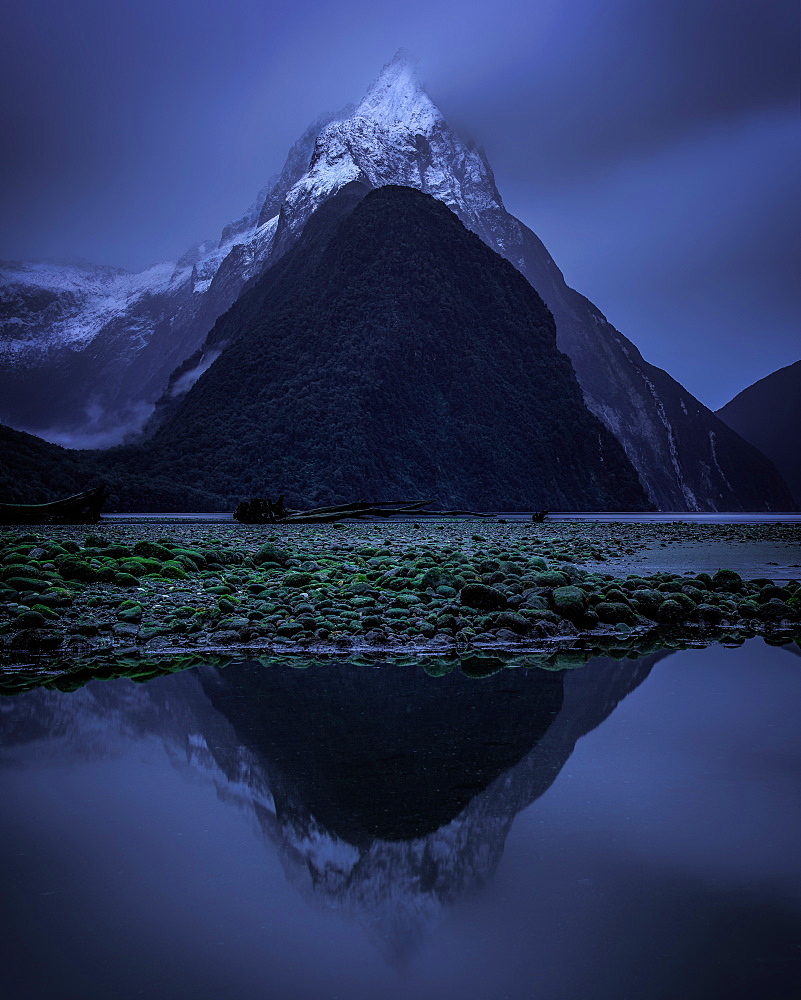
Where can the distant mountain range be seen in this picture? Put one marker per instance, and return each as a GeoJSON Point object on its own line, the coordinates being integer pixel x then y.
{"type": "Point", "coordinates": [87, 353]}
{"type": "Point", "coordinates": [768, 415]}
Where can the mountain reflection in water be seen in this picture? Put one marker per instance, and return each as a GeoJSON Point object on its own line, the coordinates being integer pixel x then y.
{"type": "Point", "coordinates": [385, 792]}
{"type": "Point", "coordinates": [393, 793]}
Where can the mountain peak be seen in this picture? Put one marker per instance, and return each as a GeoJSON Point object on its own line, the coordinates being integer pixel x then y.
{"type": "Point", "coordinates": [398, 95]}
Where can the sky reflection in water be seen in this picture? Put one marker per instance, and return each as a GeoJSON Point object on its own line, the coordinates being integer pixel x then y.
{"type": "Point", "coordinates": [625, 829]}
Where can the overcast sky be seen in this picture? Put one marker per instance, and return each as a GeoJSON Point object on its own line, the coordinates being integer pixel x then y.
{"type": "Point", "coordinates": [654, 145]}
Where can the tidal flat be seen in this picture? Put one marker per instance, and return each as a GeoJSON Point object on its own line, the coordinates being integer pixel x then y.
{"type": "Point", "coordinates": [139, 599]}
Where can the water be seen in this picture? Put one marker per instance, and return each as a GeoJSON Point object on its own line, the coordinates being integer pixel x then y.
{"type": "Point", "coordinates": [627, 829]}
{"type": "Point", "coordinates": [635, 517]}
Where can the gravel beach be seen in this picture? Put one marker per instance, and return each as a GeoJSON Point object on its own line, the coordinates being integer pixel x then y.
{"type": "Point", "coordinates": [73, 596]}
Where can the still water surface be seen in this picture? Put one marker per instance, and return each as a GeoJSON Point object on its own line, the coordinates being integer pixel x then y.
{"type": "Point", "coordinates": [634, 517]}
{"type": "Point", "coordinates": [626, 829]}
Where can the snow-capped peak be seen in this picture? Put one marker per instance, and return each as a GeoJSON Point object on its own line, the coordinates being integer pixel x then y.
{"type": "Point", "coordinates": [398, 96]}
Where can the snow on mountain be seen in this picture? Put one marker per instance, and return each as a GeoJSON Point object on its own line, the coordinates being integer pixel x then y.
{"type": "Point", "coordinates": [86, 350]}
{"type": "Point", "coordinates": [85, 353]}
{"type": "Point", "coordinates": [47, 305]}
{"type": "Point", "coordinates": [395, 136]}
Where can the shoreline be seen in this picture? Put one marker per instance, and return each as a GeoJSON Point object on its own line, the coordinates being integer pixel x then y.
{"type": "Point", "coordinates": [73, 595]}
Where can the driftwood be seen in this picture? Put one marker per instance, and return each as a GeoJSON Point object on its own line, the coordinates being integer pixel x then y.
{"type": "Point", "coordinates": [262, 511]}
{"type": "Point", "coordinates": [83, 508]}
{"type": "Point", "coordinates": [539, 517]}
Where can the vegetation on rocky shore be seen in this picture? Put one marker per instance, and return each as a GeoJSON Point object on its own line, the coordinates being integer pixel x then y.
{"type": "Point", "coordinates": [123, 595]}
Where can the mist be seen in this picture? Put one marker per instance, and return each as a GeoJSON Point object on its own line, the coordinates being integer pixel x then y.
{"type": "Point", "coordinates": [138, 131]}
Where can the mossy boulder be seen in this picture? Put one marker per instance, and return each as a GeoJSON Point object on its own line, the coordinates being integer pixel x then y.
{"type": "Point", "coordinates": [670, 612]}
{"type": "Point", "coordinates": [727, 580]}
{"type": "Point", "coordinates": [771, 590]}
{"type": "Point", "coordinates": [774, 611]}
{"type": "Point", "coordinates": [25, 583]}
{"type": "Point", "coordinates": [172, 570]}
{"type": "Point", "coordinates": [648, 602]}
{"type": "Point", "coordinates": [513, 622]}
{"type": "Point", "coordinates": [483, 598]}
{"type": "Point", "coordinates": [270, 554]}
{"type": "Point", "coordinates": [30, 619]}
{"type": "Point", "coordinates": [37, 639]}
{"type": "Point", "coordinates": [152, 550]}
{"type": "Point", "coordinates": [612, 612]}
{"type": "Point", "coordinates": [20, 568]}
{"type": "Point", "coordinates": [569, 602]}
{"type": "Point", "coordinates": [139, 566]}
{"type": "Point", "coordinates": [188, 556]}
{"type": "Point", "coordinates": [116, 552]}
{"type": "Point", "coordinates": [76, 568]}
{"type": "Point", "coordinates": [289, 630]}
{"type": "Point", "coordinates": [686, 602]}
{"type": "Point", "coordinates": [550, 579]}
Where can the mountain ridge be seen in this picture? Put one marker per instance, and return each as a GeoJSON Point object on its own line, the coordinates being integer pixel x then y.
{"type": "Point", "coordinates": [687, 458]}
{"type": "Point", "coordinates": [767, 414]}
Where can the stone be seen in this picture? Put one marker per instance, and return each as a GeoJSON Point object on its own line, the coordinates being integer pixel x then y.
{"type": "Point", "coordinates": [30, 619]}
{"type": "Point", "coordinates": [506, 636]}
{"type": "Point", "coordinates": [569, 602]}
{"type": "Point", "coordinates": [513, 622]}
{"type": "Point", "coordinates": [728, 580]}
{"type": "Point", "coordinates": [648, 602]}
{"type": "Point", "coordinates": [612, 612]}
{"type": "Point", "coordinates": [483, 598]}
{"type": "Point", "coordinates": [669, 612]}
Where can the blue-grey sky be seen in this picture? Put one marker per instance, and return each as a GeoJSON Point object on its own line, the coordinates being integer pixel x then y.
{"type": "Point", "coordinates": [654, 146]}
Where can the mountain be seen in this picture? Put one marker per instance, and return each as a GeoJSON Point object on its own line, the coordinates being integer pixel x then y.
{"type": "Point", "coordinates": [36, 471]}
{"type": "Point", "coordinates": [768, 415]}
{"type": "Point", "coordinates": [391, 352]}
{"type": "Point", "coordinates": [84, 358]}
{"type": "Point", "coordinates": [85, 351]}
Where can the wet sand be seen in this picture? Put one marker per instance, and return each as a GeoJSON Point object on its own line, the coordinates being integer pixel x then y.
{"type": "Point", "coordinates": [779, 560]}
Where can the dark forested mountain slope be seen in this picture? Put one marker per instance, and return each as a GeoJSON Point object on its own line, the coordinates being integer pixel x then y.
{"type": "Point", "coordinates": [36, 471]}
{"type": "Point", "coordinates": [768, 415]}
{"type": "Point", "coordinates": [398, 355]}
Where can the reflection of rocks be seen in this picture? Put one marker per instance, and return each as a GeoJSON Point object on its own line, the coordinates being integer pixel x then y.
{"type": "Point", "coordinates": [386, 793]}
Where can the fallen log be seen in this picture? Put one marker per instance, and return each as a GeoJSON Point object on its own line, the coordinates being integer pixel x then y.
{"type": "Point", "coordinates": [262, 511]}
{"type": "Point", "coordinates": [82, 508]}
